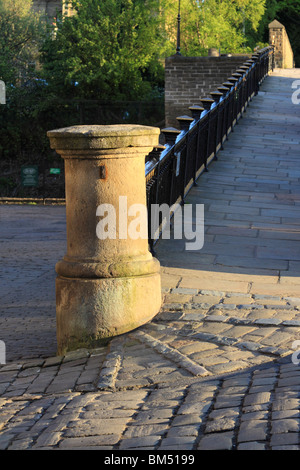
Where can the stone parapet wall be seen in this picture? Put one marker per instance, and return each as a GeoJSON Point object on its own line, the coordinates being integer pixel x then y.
{"type": "Point", "coordinates": [188, 79]}
{"type": "Point", "coordinates": [284, 57]}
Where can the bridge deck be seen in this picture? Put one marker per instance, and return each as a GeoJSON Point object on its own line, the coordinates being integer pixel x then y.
{"type": "Point", "coordinates": [251, 197]}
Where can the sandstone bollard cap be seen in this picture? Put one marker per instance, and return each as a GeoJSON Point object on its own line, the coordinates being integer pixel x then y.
{"type": "Point", "coordinates": [100, 137]}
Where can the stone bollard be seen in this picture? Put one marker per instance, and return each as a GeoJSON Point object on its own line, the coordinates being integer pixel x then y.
{"type": "Point", "coordinates": [105, 286]}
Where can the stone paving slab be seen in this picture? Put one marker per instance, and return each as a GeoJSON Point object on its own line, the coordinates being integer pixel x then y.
{"type": "Point", "coordinates": [219, 367]}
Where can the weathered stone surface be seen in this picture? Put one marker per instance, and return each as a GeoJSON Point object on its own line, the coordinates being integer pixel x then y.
{"type": "Point", "coordinates": [255, 430]}
{"type": "Point", "coordinates": [218, 441]}
{"type": "Point", "coordinates": [105, 286]}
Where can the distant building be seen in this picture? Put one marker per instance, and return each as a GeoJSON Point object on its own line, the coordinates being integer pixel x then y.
{"type": "Point", "coordinates": [51, 8]}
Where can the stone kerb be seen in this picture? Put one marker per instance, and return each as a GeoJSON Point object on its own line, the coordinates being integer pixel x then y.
{"type": "Point", "coordinates": [106, 286]}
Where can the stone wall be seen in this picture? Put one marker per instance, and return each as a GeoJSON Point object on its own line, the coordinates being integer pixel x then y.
{"type": "Point", "coordinates": [50, 8]}
{"type": "Point", "coordinates": [284, 57]}
{"type": "Point", "coordinates": [188, 79]}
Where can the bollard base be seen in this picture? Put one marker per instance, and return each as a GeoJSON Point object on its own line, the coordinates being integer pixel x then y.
{"type": "Point", "coordinates": [91, 311]}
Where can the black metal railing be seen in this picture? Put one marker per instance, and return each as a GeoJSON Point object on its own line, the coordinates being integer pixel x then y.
{"type": "Point", "coordinates": [172, 169]}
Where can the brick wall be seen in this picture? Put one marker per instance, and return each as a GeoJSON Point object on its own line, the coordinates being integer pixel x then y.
{"type": "Point", "coordinates": [284, 57]}
{"type": "Point", "coordinates": [188, 79]}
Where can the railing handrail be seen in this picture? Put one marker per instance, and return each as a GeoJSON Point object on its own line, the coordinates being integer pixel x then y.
{"type": "Point", "coordinates": [208, 128]}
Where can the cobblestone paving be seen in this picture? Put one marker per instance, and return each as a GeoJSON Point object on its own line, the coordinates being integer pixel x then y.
{"type": "Point", "coordinates": [218, 367]}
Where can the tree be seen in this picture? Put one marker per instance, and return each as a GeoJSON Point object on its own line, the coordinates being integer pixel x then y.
{"type": "Point", "coordinates": [220, 24]}
{"type": "Point", "coordinates": [20, 35]}
{"type": "Point", "coordinates": [20, 31]}
{"type": "Point", "coordinates": [107, 50]}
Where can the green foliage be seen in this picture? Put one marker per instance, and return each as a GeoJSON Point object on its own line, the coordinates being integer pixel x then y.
{"type": "Point", "coordinates": [215, 24]}
{"type": "Point", "coordinates": [23, 124]}
{"type": "Point", "coordinates": [103, 70]}
{"type": "Point", "coordinates": [106, 50]}
{"type": "Point", "coordinates": [112, 51]}
{"type": "Point", "coordinates": [20, 34]}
